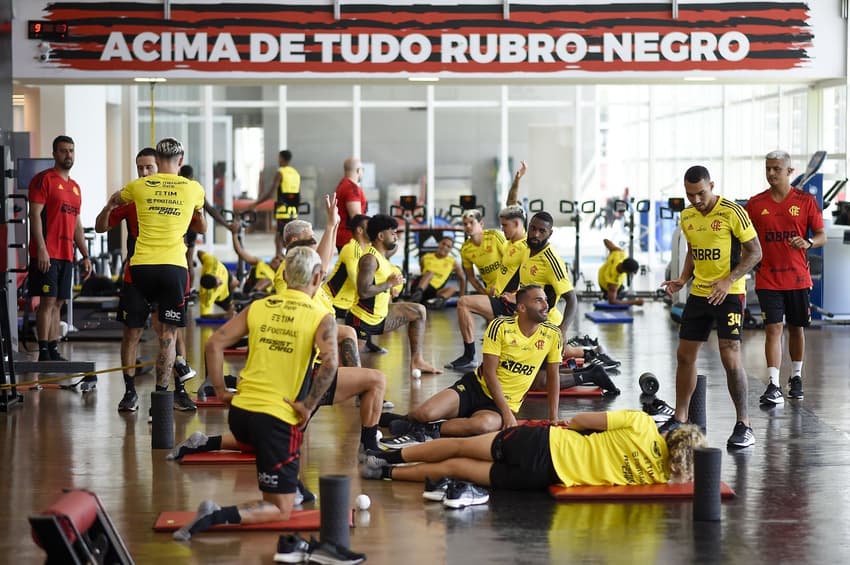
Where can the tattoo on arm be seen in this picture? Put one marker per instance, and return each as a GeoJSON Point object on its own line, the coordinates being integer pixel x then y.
{"type": "Point", "coordinates": [326, 339]}
{"type": "Point", "coordinates": [751, 254]}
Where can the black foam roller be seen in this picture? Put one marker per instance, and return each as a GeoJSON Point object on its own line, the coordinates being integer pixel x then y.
{"type": "Point", "coordinates": [162, 419]}
{"type": "Point", "coordinates": [696, 409]}
{"type": "Point", "coordinates": [335, 509]}
{"type": "Point", "coordinates": [707, 484]}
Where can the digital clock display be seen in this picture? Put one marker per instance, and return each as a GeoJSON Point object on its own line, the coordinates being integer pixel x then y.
{"type": "Point", "coordinates": [47, 30]}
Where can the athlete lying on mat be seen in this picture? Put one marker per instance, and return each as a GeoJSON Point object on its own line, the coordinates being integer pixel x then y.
{"type": "Point", "coordinates": [626, 450]}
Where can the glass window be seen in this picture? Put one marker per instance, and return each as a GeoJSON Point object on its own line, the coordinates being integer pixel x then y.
{"type": "Point", "coordinates": [393, 92]}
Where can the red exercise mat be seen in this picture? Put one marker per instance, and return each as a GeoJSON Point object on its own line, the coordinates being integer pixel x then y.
{"type": "Point", "coordinates": [572, 391]}
{"type": "Point", "coordinates": [215, 457]}
{"type": "Point", "coordinates": [210, 402]}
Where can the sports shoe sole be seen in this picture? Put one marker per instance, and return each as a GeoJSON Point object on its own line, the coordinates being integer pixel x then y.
{"type": "Point", "coordinates": [434, 495]}
{"type": "Point", "coordinates": [293, 557]}
{"type": "Point", "coordinates": [463, 503]}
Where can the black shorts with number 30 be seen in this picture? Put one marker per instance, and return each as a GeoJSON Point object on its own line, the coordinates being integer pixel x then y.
{"type": "Point", "coordinates": [700, 316]}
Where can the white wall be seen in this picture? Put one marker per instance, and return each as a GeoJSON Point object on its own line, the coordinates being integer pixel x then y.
{"type": "Point", "coordinates": [79, 111]}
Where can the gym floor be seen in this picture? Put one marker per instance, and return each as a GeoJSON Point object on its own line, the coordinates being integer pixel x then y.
{"type": "Point", "coordinates": [791, 504]}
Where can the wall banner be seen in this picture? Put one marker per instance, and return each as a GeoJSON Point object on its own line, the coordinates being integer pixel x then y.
{"type": "Point", "coordinates": [212, 40]}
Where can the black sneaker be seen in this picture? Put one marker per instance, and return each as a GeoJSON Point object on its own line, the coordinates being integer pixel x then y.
{"type": "Point", "coordinates": [182, 401]}
{"type": "Point", "coordinates": [292, 549]}
{"type": "Point", "coordinates": [461, 494]}
{"type": "Point", "coordinates": [596, 374]}
{"type": "Point", "coordinates": [436, 303]}
{"type": "Point", "coordinates": [55, 355]}
{"type": "Point", "coordinates": [659, 410]}
{"type": "Point", "coordinates": [412, 438]}
{"type": "Point", "coordinates": [89, 384]}
{"type": "Point", "coordinates": [795, 388]}
{"type": "Point", "coordinates": [583, 341]}
{"type": "Point", "coordinates": [184, 372]}
{"type": "Point", "coordinates": [742, 436]}
{"type": "Point", "coordinates": [670, 425]}
{"type": "Point", "coordinates": [188, 445]}
{"type": "Point", "coordinates": [130, 402]}
{"type": "Point", "coordinates": [462, 363]}
{"type": "Point", "coordinates": [601, 359]}
{"type": "Point", "coordinates": [772, 396]}
{"type": "Point", "coordinates": [44, 355]}
{"type": "Point", "coordinates": [436, 490]}
{"type": "Point", "coordinates": [328, 553]}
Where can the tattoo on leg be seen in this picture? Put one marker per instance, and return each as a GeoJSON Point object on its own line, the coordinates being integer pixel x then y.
{"type": "Point", "coordinates": [349, 355]}
{"type": "Point", "coordinates": [737, 383]}
{"type": "Point", "coordinates": [164, 360]}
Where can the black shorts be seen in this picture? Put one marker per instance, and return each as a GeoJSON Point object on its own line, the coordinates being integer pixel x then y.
{"type": "Point", "coordinates": [191, 238]}
{"type": "Point", "coordinates": [340, 313]}
{"type": "Point", "coordinates": [165, 286]}
{"type": "Point", "coordinates": [471, 396]}
{"type": "Point", "coordinates": [699, 317]}
{"type": "Point", "coordinates": [363, 329]}
{"type": "Point", "coordinates": [502, 307]}
{"type": "Point", "coordinates": [521, 459]}
{"type": "Point", "coordinates": [133, 309]}
{"type": "Point", "coordinates": [276, 443]}
{"type": "Point", "coordinates": [55, 283]}
{"type": "Point", "coordinates": [429, 293]}
{"type": "Point", "coordinates": [791, 305]}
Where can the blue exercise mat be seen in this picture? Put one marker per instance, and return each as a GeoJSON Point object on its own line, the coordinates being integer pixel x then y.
{"type": "Point", "coordinates": [609, 317]}
{"type": "Point", "coordinates": [210, 321]}
{"type": "Point", "coordinates": [602, 305]}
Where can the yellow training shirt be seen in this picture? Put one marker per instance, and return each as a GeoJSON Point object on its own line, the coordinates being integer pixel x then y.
{"type": "Point", "coordinates": [442, 268]}
{"type": "Point", "coordinates": [520, 357]}
{"type": "Point", "coordinates": [515, 253]}
{"type": "Point", "coordinates": [608, 273]}
{"type": "Point", "coordinates": [264, 272]}
{"type": "Point", "coordinates": [487, 256]}
{"type": "Point", "coordinates": [373, 310]}
{"type": "Point", "coordinates": [629, 452]}
{"type": "Point", "coordinates": [164, 203]}
{"type": "Point", "coordinates": [547, 269]}
{"type": "Point", "coordinates": [342, 282]}
{"type": "Point", "coordinates": [715, 240]}
{"type": "Point", "coordinates": [207, 297]}
{"type": "Point", "coordinates": [290, 183]}
{"type": "Point", "coordinates": [281, 337]}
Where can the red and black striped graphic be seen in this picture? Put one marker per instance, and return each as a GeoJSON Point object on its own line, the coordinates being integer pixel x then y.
{"type": "Point", "coordinates": [462, 39]}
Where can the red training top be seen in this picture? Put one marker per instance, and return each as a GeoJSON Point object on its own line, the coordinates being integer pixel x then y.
{"type": "Point", "coordinates": [347, 191]}
{"type": "Point", "coordinates": [61, 199]}
{"type": "Point", "coordinates": [783, 267]}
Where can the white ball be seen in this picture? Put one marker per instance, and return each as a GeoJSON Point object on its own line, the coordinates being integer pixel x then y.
{"type": "Point", "coordinates": [362, 502]}
{"type": "Point", "coordinates": [416, 373]}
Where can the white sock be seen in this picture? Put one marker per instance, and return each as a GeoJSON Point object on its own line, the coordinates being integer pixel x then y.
{"type": "Point", "coordinates": [773, 374]}
{"type": "Point", "coordinates": [797, 369]}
